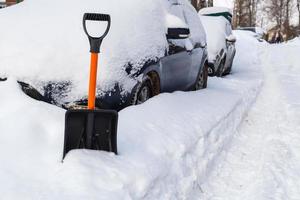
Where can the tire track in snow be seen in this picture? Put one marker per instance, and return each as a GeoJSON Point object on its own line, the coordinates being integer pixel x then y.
{"type": "Point", "coordinates": [264, 161]}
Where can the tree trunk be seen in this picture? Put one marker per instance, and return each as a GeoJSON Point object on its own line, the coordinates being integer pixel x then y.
{"type": "Point", "coordinates": [202, 4]}
{"type": "Point", "coordinates": [195, 4]}
{"type": "Point", "coordinates": [298, 8]}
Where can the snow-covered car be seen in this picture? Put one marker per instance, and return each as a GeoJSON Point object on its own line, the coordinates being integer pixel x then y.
{"type": "Point", "coordinates": [220, 39]}
{"type": "Point", "coordinates": [152, 47]}
{"type": "Point", "coordinates": [2, 4]}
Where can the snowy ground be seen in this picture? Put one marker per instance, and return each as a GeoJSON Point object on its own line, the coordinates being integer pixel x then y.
{"type": "Point", "coordinates": [263, 161]}
{"type": "Point", "coordinates": [184, 145]}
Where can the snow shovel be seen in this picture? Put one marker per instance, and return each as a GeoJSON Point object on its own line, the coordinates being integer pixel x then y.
{"type": "Point", "coordinates": [91, 128]}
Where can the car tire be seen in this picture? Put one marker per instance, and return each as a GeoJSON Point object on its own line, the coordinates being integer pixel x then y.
{"type": "Point", "coordinates": [227, 71]}
{"type": "Point", "coordinates": [142, 92]}
{"type": "Point", "coordinates": [211, 70]}
{"type": "Point", "coordinates": [202, 78]}
{"type": "Point", "coordinates": [220, 70]}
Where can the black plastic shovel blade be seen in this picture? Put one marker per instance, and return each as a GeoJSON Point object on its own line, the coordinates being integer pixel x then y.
{"type": "Point", "coordinates": [91, 129]}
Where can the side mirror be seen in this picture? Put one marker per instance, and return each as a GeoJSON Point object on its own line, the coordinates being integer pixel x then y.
{"type": "Point", "coordinates": [178, 33]}
{"type": "Point", "coordinates": [231, 38]}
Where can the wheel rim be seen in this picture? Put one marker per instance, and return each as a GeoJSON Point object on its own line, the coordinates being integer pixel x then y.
{"type": "Point", "coordinates": [143, 95]}
{"type": "Point", "coordinates": [210, 71]}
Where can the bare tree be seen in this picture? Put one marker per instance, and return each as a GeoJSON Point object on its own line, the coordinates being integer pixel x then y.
{"type": "Point", "coordinates": [298, 9]}
{"type": "Point", "coordinates": [195, 3]}
{"type": "Point", "coordinates": [210, 3]}
{"type": "Point", "coordinates": [198, 4]}
{"type": "Point", "coordinates": [244, 13]}
{"type": "Point", "coordinates": [281, 11]}
{"type": "Point", "coordinates": [276, 12]}
{"type": "Point", "coordinates": [286, 23]}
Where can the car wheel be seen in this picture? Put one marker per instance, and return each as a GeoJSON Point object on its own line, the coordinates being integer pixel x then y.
{"type": "Point", "coordinates": [211, 70]}
{"type": "Point", "coordinates": [143, 92]}
{"type": "Point", "coordinates": [202, 78]}
{"type": "Point", "coordinates": [227, 71]}
{"type": "Point", "coordinates": [205, 75]}
{"type": "Point", "coordinates": [221, 68]}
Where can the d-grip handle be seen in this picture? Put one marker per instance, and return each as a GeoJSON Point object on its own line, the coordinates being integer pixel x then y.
{"type": "Point", "coordinates": [95, 42]}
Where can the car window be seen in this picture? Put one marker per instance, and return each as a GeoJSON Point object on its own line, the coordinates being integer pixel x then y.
{"type": "Point", "coordinates": [228, 29]}
{"type": "Point", "coordinates": [192, 19]}
{"type": "Point", "coordinates": [176, 46]}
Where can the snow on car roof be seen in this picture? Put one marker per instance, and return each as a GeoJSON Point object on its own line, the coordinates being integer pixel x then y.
{"type": "Point", "coordinates": [216, 12]}
{"type": "Point", "coordinates": [213, 10]}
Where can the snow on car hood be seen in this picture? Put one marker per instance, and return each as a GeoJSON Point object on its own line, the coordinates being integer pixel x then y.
{"type": "Point", "coordinates": [44, 41]}
{"type": "Point", "coordinates": [215, 28]}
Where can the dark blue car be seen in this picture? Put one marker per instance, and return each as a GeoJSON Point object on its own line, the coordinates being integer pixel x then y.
{"type": "Point", "coordinates": [183, 67]}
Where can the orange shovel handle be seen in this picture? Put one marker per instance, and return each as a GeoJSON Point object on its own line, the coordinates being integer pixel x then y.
{"type": "Point", "coordinates": [93, 81]}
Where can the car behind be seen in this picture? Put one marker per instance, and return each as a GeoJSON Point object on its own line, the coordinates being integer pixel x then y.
{"type": "Point", "coordinates": [221, 41]}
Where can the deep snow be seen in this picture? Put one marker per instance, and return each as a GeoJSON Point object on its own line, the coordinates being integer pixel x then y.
{"type": "Point", "coordinates": [168, 146]}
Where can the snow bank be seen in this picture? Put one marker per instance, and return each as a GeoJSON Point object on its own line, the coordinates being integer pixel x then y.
{"type": "Point", "coordinates": [295, 41]}
{"type": "Point", "coordinates": [44, 41]}
{"type": "Point", "coordinates": [288, 68]}
{"type": "Point", "coordinates": [215, 28]}
{"type": "Point", "coordinates": [31, 142]}
{"type": "Point", "coordinates": [167, 145]}
{"type": "Point", "coordinates": [166, 162]}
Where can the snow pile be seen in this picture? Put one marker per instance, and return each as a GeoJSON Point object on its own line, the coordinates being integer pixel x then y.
{"type": "Point", "coordinates": [44, 41]}
{"type": "Point", "coordinates": [31, 142]}
{"type": "Point", "coordinates": [295, 41]}
{"type": "Point", "coordinates": [215, 28]}
{"type": "Point", "coordinates": [288, 67]}
{"type": "Point", "coordinates": [167, 146]}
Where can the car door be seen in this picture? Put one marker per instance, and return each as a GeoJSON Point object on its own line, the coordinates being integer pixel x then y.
{"type": "Point", "coordinates": [198, 43]}
{"type": "Point", "coordinates": [230, 47]}
{"type": "Point", "coordinates": [175, 67]}
{"type": "Point", "coordinates": [176, 64]}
